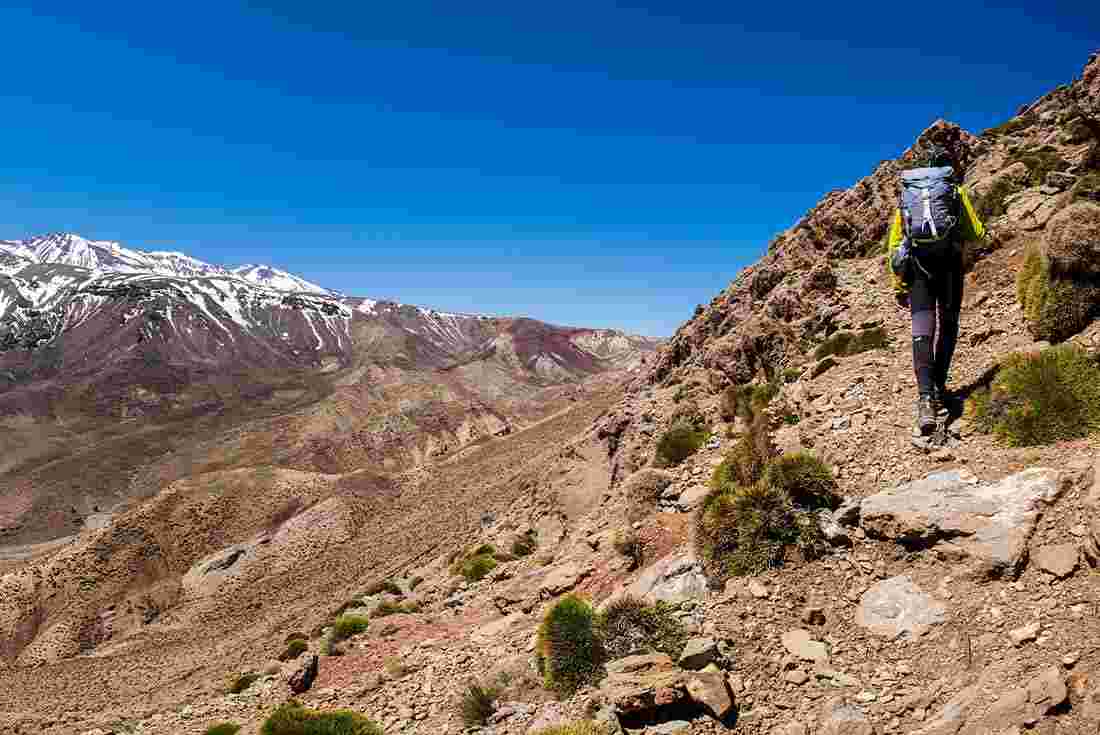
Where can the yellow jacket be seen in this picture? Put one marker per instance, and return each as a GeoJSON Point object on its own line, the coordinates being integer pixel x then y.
{"type": "Point", "coordinates": [970, 229]}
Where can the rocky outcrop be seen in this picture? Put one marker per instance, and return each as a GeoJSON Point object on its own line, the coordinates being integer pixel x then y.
{"type": "Point", "coordinates": [988, 524]}
{"type": "Point", "coordinates": [643, 689]}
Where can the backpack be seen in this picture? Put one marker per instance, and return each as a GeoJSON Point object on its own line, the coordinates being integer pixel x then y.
{"type": "Point", "coordinates": [929, 204]}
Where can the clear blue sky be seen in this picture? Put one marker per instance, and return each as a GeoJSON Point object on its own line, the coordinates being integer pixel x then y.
{"type": "Point", "coordinates": [597, 163]}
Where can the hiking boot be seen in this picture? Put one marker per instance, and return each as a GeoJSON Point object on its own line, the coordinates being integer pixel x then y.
{"type": "Point", "coordinates": [939, 400]}
{"type": "Point", "coordinates": [926, 415]}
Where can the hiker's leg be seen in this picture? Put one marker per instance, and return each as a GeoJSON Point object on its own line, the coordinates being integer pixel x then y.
{"type": "Point", "coordinates": [922, 304]}
{"type": "Point", "coordinates": [948, 306]}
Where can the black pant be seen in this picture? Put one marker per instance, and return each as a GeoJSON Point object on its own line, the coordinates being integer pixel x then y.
{"type": "Point", "coordinates": [936, 295]}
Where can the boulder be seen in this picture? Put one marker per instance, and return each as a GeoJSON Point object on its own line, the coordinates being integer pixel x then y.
{"type": "Point", "coordinates": [302, 677]}
{"type": "Point", "coordinates": [563, 578]}
{"type": "Point", "coordinates": [640, 686]}
{"type": "Point", "coordinates": [1027, 705]}
{"type": "Point", "coordinates": [672, 579]}
{"type": "Point", "coordinates": [698, 652]}
{"type": "Point", "coordinates": [1057, 559]}
{"type": "Point", "coordinates": [897, 608]}
{"type": "Point", "coordinates": [988, 523]}
{"type": "Point", "coordinates": [1072, 241]}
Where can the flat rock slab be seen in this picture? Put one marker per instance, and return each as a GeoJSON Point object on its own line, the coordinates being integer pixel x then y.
{"type": "Point", "coordinates": [672, 579]}
{"type": "Point", "coordinates": [798, 642]}
{"type": "Point", "coordinates": [1057, 559]}
{"type": "Point", "coordinates": [896, 607]}
{"type": "Point", "coordinates": [989, 523]}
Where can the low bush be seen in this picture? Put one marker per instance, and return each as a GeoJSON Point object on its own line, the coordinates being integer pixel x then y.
{"type": "Point", "coordinates": [346, 626]}
{"type": "Point", "coordinates": [746, 460]}
{"type": "Point", "coordinates": [582, 727]}
{"type": "Point", "coordinates": [294, 649]}
{"type": "Point", "coordinates": [1055, 308]}
{"type": "Point", "coordinates": [294, 719]}
{"type": "Point", "coordinates": [1039, 163]}
{"type": "Point", "coordinates": [844, 343]}
{"type": "Point", "coordinates": [745, 401]}
{"type": "Point", "coordinates": [526, 544]}
{"type": "Point", "coordinates": [991, 204]}
{"type": "Point", "coordinates": [568, 650]}
{"type": "Point", "coordinates": [806, 479]}
{"type": "Point", "coordinates": [628, 543]}
{"type": "Point", "coordinates": [477, 567]}
{"type": "Point", "coordinates": [743, 530]}
{"type": "Point", "coordinates": [477, 704]}
{"type": "Point", "coordinates": [629, 626]}
{"type": "Point", "coordinates": [223, 728]}
{"type": "Point", "coordinates": [243, 682]}
{"type": "Point", "coordinates": [1039, 398]}
{"type": "Point", "coordinates": [387, 607]}
{"type": "Point", "coordinates": [678, 443]}
{"type": "Point", "coordinates": [688, 413]}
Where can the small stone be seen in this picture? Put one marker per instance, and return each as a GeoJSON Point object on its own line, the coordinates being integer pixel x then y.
{"type": "Point", "coordinates": [1022, 635]}
{"type": "Point", "coordinates": [1071, 659]}
{"type": "Point", "coordinates": [813, 614]}
{"type": "Point", "coordinates": [796, 676]}
{"type": "Point", "coordinates": [1057, 559]}
{"type": "Point", "coordinates": [799, 643]}
{"type": "Point", "coordinates": [672, 727]}
{"type": "Point", "coordinates": [758, 590]}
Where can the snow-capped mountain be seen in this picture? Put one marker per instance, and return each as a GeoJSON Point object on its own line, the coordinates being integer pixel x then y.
{"type": "Point", "coordinates": [265, 275]}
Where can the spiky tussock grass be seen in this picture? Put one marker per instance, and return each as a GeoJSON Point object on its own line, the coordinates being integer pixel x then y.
{"type": "Point", "coordinates": [294, 648]}
{"type": "Point", "coordinates": [223, 728]}
{"type": "Point", "coordinates": [346, 626]}
{"type": "Point", "coordinates": [745, 401]}
{"type": "Point", "coordinates": [677, 444]}
{"type": "Point", "coordinates": [1055, 308]}
{"type": "Point", "coordinates": [569, 652]}
{"type": "Point", "coordinates": [806, 479]}
{"type": "Point", "coordinates": [477, 704]}
{"type": "Point", "coordinates": [1039, 398]}
{"type": "Point", "coordinates": [628, 626]}
{"type": "Point", "coordinates": [294, 719]}
{"type": "Point", "coordinates": [746, 460]}
{"type": "Point", "coordinates": [583, 727]}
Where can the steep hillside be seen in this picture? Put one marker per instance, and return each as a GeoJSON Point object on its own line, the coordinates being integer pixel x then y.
{"type": "Point", "coordinates": [817, 572]}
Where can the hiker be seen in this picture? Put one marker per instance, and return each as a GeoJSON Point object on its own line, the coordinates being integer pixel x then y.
{"type": "Point", "coordinates": [925, 253]}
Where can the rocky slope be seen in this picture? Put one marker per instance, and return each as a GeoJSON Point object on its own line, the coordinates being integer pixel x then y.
{"type": "Point", "coordinates": [958, 594]}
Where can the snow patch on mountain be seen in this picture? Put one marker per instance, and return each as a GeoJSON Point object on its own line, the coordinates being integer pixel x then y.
{"type": "Point", "coordinates": [279, 280]}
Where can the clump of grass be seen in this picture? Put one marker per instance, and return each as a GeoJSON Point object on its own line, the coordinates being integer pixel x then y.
{"type": "Point", "coordinates": [474, 565]}
{"type": "Point", "coordinates": [629, 626]}
{"type": "Point", "coordinates": [294, 719]}
{"type": "Point", "coordinates": [688, 413]}
{"type": "Point", "coordinates": [569, 652]}
{"type": "Point", "coordinates": [477, 704]}
{"type": "Point", "coordinates": [394, 667]}
{"type": "Point", "coordinates": [991, 204]}
{"type": "Point", "coordinates": [294, 649]}
{"type": "Point", "coordinates": [1039, 398]}
{"type": "Point", "coordinates": [1055, 308]}
{"type": "Point", "coordinates": [678, 443]}
{"type": "Point", "coordinates": [223, 728]}
{"type": "Point", "coordinates": [746, 530]}
{"type": "Point", "coordinates": [745, 401]}
{"type": "Point", "coordinates": [806, 479]}
{"type": "Point", "coordinates": [1039, 163]}
{"type": "Point", "coordinates": [844, 343]}
{"type": "Point", "coordinates": [581, 727]}
{"type": "Point", "coordinates": [386, 607]}
{"type": "Point", "coordinates": [1015, 125]}
{"type": "Point", "coordinates": [526, 544]}
{"type": "Point", "coordinates": [346, 626]}
{"type": "Point", "coordinates": [243, 681]}
{"type": "Point", "coordinates": [1087, 187]}
{"type": "Point", "coordinates": [745, 461]}
{"type": "Point", "coordinates": [628, 543]}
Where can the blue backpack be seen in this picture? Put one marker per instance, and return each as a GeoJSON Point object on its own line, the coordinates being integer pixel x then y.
{"type": "Point", "coordinates": [929, 204]}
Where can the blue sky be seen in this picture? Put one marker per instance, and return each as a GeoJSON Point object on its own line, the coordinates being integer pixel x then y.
{"type": "Point", "coordinates": [595, 163]}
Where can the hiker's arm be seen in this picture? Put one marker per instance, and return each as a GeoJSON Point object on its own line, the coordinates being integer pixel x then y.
{"type": "Point", "coordinates": [972, 227]}
{"type": "Point", "coordinates": [893, 240]}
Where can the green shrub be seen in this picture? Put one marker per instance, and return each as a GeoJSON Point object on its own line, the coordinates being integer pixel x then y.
{"type": "Point", "coordinates": [1055, 308]}
{"type": "Point", "coordinates": [294, 719]}
{"type": "Point", "coordinates": [628, 626]}
{"type": "Point", "coordinates": [1039, 163]}
{"type": "Point", "coordinates": [346, 626]}
{"type": "Point", "coordinates": [991, 204]}
{"type": "Point", "coordinates": [243, 681]}
{"type": "Point", "coordinates": [844, 343]}
{"type": "Point", "coordinates": [477, 567]}
{"type": "Point", "coordinates": [792, 374]}
{"type": "Point", "coordinates": [745, 461]}
{"type": "Point", "coordinates": [627, 543]}
{"type": "Point", "coordinates": [294, 649]}
{"type": "Point", "coordinates": [583, 727]}
{"type": "Point", "coordinates": [569, 652]}
{"type": "Point", "coordinates": [478, 704]}
{"type": "Point", "coordinates": [526, 544]}
{"type": "Point", "coordinates": [1015, 125]}
{"type": "Point", "coordinates": [223, 728]}
{"type": "Point", "coordinates": [679, 443]}
{"type": "Point", "coordinates": [745, 530]}
{"type": "Point", "coordinates": [806, 479]}
{"type": "Point", "coordinates": [746, 401]}
{"type": "Point", "coordinates": [1039, 398]}
{"type": "Point", "coordinates": [688, 413]}
{"type": "Point", "coordinates": [1087, 187]}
